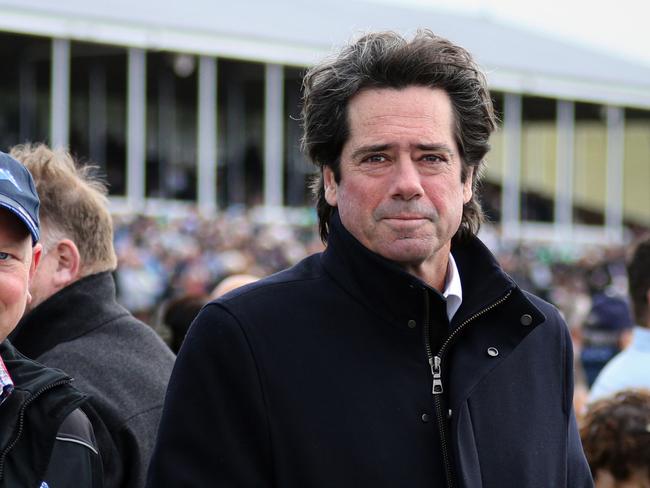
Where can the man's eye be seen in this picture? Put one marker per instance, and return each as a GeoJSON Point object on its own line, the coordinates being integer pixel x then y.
{"type": "Point", "coordinates": [4, 256]}
{"type": "Point", "coordinates": [434, 158]}
{"type": "Point", "coordinates": [375, 158]}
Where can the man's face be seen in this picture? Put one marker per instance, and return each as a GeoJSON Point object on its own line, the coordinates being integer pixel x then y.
{"type": "Point", "coordinates": [17, 264]}
{"type": "Point", "coordinates": [400, 193]}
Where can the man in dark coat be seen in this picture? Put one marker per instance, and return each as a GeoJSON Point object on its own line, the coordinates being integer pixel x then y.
{"type": "Point", "coordinates": [402, 355]}
{"type": "Point", "coordinates": [75, 324]}
{"type": "Point", "coordinates": [45, 439]}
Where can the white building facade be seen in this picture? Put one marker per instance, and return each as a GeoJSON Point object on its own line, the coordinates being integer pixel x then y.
{"type": "Point", "coordinates": [199, 102]}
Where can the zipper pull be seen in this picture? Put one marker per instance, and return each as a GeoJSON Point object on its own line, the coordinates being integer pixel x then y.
{"type": "Point", "coordinates": [434, 362]}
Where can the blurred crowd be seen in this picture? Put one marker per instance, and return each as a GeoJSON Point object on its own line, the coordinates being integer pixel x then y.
{"type": "Point", "coordinates": [170, 265]}
{"type": "Point", "coordinates": [168, 257]}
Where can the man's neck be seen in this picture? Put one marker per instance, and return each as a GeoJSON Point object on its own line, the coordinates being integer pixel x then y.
{"type": "Point", "coordinates": [433, 271]}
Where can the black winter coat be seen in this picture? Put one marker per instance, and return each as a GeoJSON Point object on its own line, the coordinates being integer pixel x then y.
{"type": "Point", "coordinates": [321, 376]}
{"type": "Point", "coordinates": [44, 437]}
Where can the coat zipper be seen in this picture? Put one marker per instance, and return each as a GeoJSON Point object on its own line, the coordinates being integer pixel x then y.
{"type": "Point", "coordinates": [435, 362]}
{"type": "Point", "coordinates": [21, 420]}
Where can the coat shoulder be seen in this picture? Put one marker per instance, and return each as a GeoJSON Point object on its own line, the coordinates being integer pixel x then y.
{"type": "Point", "coordinates": [550, 311]}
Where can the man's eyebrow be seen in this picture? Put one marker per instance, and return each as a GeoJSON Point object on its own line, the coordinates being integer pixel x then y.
{"type": "Point", "coordinates": [435, 148]}
{"type": "Point", "coordinates": [369, 149]}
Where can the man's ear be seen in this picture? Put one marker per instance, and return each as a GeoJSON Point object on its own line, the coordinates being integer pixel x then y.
{"type": "Point", "coordinates": [37, 252]}
{"type": "Point", "coordinates": [330, 186]}
{"type": "Point", "coordinates": [68, 263]}
{"type": "Point", "coordinates": [468, 184]}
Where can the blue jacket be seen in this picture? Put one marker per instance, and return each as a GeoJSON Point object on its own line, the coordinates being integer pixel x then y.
{"type": "Point", "coordinates": [320, 376]}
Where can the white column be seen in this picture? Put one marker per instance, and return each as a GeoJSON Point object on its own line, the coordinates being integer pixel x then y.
{"type": "Point", "coordinates": [207, 135]}
{"type": "Point", "coordinates": [615, 159]}
{"type": "Point", "coordinates": [564, 168]}
{"type": "Point", "coordinates": [511, 182]}
{"type": "Point", "coordinates": [136, 128]}
{"type": "Point", "coordinates": [60, 94]}
{"type": "Point", "coordinates": [273, 135]}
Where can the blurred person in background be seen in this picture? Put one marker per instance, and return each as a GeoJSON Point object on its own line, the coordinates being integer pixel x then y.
{"type": "Point", "coordinates": [45, 439]}
{"type": "Point", "coordinates": [569, 293]}
{"type": "Point", "coordinates": [232, 282]}
{"type": "Point", "coordinates": [631, 367]}
{"type": "Point", "coordinates": [615, 434]}
{"type": "Point", "coordinates": [74, 322]}
{"type": "Point", "coordinates": [178, 314]}
{"type": "Point", "coordinates": [402, 355]}
{"type": "Point", "coordinates": [607, 328]}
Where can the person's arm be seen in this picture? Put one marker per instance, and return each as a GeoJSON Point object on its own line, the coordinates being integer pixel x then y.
{"type": "Point", "coordinates": [75, 459]}
{"type": "Point", "coordinates": [214, 430]}
{"type": "Point", "coordinates": [578, 472]}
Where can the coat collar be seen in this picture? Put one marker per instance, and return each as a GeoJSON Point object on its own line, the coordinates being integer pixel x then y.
{"type": "Point", "coordinates": [30, 379]}
{"type": "Point", "coordinates": [380, 284]}
{"type": "Point", "coordinates": [31, 448]}
{"type": "Point", "coordinates": [71, 312]}
{"type": "Point", "coordinates": [398, 296]}
{"type": "Point", "coordinates": [28, 375]}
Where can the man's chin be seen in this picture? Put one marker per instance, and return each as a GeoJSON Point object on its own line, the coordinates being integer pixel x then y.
{"type": "Point", "coordinates": [408, 251]}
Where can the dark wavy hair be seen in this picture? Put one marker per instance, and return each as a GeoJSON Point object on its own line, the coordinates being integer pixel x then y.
{"type": "Point", "coordinates": [615, 434]}
{"type": "Point", "coordinates": [388, 60]}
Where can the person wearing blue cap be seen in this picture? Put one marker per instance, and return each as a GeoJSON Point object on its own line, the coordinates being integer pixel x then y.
{"type": "Point", "coordinates": [45, 439]}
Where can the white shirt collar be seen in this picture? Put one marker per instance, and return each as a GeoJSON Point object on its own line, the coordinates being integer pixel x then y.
{"type": "Point", "coordinates": [453, 291]}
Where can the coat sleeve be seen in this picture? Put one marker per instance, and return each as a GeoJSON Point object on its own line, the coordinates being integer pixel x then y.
{"type": "Point", "coordinates": [578, 472]}
{"type": "Point", "coordinates": [214, 429]}
{"type": "Point", "coordinates": [75, 459]}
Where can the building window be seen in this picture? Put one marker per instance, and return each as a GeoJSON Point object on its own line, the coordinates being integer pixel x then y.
{"type": "Point", "coordinates": [538, 157]}
{"type": "Point", "coordinates": [24, 89]}
{"type": "Point", "coordinates": [590, 164]}
{"type": "Point", "coordinates": [636, 169]}
{"type": "Point", "coordinates": [98, 98]}
{"type": "Point", "coordinates": [172, 91]}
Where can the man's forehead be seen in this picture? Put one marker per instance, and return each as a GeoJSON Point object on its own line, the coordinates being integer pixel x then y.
{"type": "Point", "coordinates": [413, 109]}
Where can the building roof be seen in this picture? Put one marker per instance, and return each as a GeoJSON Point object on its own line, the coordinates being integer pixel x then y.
{"type": "Point", "coordinates": [299, 33]}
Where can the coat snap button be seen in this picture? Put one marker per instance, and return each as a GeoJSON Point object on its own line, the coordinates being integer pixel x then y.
{"type": "Point", "coordinates": [526, 319]}
{"type": "Point", "coordinates": [411, 323]}
{"type": "Point", "coordinates": [493, 351]}
{"type": "Point", "coordinates": [426, 417]}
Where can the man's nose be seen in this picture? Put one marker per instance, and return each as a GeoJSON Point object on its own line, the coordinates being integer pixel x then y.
{"type": "Point", "coordinates": [407, 181]}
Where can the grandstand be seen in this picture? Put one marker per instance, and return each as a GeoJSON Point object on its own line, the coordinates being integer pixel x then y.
{"type": "Point", "coordinates": [198, 102]}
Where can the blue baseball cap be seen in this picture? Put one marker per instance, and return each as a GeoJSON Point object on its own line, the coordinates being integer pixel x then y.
{"type": "Point", "coordinates": [18, 193]}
